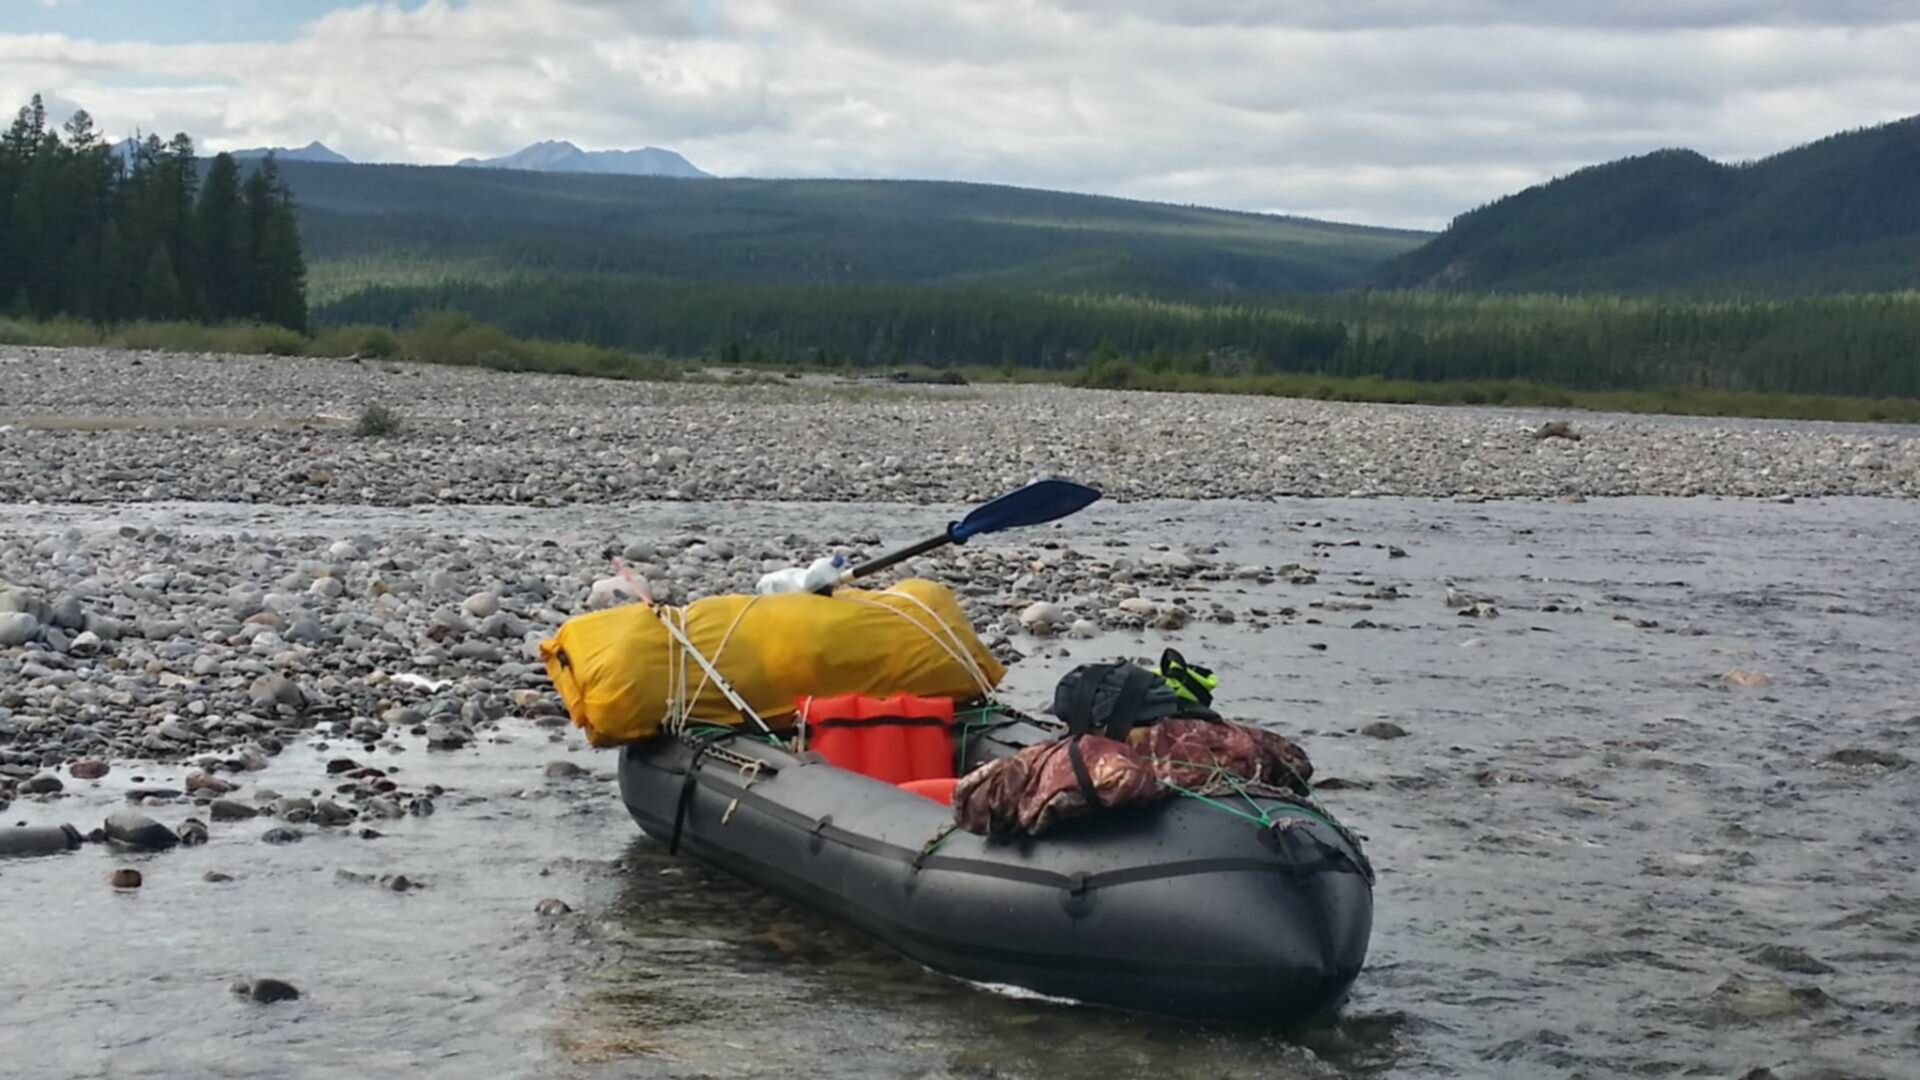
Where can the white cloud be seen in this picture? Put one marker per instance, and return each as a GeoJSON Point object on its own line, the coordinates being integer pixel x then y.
{"type": "Point", "coordinates": [1390, 111]}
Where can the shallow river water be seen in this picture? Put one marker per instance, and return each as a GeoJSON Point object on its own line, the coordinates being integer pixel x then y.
{"type": "Point", "coordinates": [1595, 853]}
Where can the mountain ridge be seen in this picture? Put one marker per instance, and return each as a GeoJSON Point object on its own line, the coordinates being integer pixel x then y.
{"type": "Point", "coordinates": [560, 155]}
{"type": "Point", "coordinates": [1839, 213]}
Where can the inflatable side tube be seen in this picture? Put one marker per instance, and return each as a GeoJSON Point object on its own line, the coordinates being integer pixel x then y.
{"type": "Point", "coordinates": [1179, 909]}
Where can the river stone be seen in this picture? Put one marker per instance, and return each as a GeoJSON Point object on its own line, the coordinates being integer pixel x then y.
{"type": "Point", "coordinates": [482, 651]}
{"type": "Point", "coordinates": [1042, 613]}
{"type": "Point", "coordinates": [192, 832]}
{"type": "Point", "coordinates": [280, 834]}
{"type": "Point", "coordinates": [229, 810]}
{"type": "Point", "coordinates": [1763, 999]}
{"type": "Point", "coordinates": [328, 812]}
{"type": "Point", "coordinates": [552, 906]}
{"type": "Point", "coordinates": [267, 991]}
{"type": "Point", "coordinates": [139, 831]}
{"type": "Point", "coordinates": [273, 689]}
{"type": "Point", "coordinates": [43, 784]}
{"type": "Point", "coordinates": [124, 878]}
{"type": "Point", "coordinates": [207, 784]}
{"type": "Point", "coordinates": [17, 628]}
{"type": "Point", "coordinates": [67, 614]}
{"type": "Point", "coordinates": [1384, 729]}
{"type": "Point", "coordinates": [88, 770]}
{"type": "Point", "coordinates": [1791, 958]}
{"type": "Point", "coordinates": [1139, 605]}
{"type": "Point", "coordinates": [480, 605]}
{"type": "Point", "coordinates": [564, 770]}
{"type": "Point", "coordinates": [1867, 758]}
{"type": "Point", "coordinates": [328, 588]}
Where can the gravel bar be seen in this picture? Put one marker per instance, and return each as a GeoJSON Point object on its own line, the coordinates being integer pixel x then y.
{"type": "Point", "coordinates": [93, 426]}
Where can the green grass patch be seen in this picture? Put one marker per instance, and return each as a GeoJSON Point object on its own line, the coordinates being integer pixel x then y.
{"type": "Point", "coordinates": [1125, 375]}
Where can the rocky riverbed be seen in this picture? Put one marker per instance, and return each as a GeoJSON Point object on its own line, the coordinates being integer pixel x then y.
{"type": "Point", "coordinates": [1635, 774]}
{"type": "Point", "coordinates": [82, 425]}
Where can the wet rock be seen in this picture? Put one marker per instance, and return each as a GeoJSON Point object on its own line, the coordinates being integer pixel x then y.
{"type": "Point", "coordinates": [1556, 429]}
{"type": "Point", "coordinates": [445, 737]}
{"type": "Point", "coordinates": [398, 883]}
{"type": "Point", "coordinates": [1791, 958]}
{"type": "Point", "coordinates": [1479, 609]}
{"type": "Point", "coordinates": [215, 877]}
{"type": "Point", "coordinates": [43, 784]}
{"type": "Point", "coordinates": [88, 770]}
{"type": "Point", "coordinates": [1750, 679]}
{"type": "Point", "coordinates": [1384, 729]}
{"type": "Point", "coordinates": [280, 834]}
{"type": "Point", "coordinates": [1868, 759]}
{"type": "Point", "coordinates": [341, 765]}
{"type": "Point", "coordinates": [124, 878]}
{"type": "Point", "coordinates": [1741, 998]}
{"type": "Point", "coordinates": [192, 832]}
{"type": "Point", "coordinates": [564, 770]}
{"type": "Point", "coordinates": [200, 783]}
{"type": "Point", "coordinates": [329, 813]}
{"type": "Point", "coordinates": [266, 991]}
{"type": "Point", "coordinates": [1336, 783]}
{"type": "Point", "coordinates": [1497, 777]}
{"type": "Point", "coordinates": [1170, 617]}
{"type": "Point", "coordinates": [552, 906]}
{"type": "Point", "coordinates": [1042, 613]}
{"type": "Point", "coordinates": [139, 831]}
{"type": "Point", "coordinates": [228, 810]}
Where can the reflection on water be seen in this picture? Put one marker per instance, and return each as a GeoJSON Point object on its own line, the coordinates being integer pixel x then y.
{"type": "Point", "coordinates": [1596, 856]}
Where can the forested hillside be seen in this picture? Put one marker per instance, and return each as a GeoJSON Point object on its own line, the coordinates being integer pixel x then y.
{"type": "Point", "coordinates": [89, 233]}
{"type": "Point", "coordinates": [1838, 345]}
{"type": "Point", "coordinates": [384, 223]}
{"type": "Point", "coordinates": [1839, 214]}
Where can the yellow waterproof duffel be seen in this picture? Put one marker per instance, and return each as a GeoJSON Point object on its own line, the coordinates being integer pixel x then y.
{"type": "Point", "coordinates": [623, 674]}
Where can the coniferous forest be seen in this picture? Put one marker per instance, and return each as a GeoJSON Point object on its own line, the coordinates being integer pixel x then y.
{"type": "Point", "coordinates": [111, 234]}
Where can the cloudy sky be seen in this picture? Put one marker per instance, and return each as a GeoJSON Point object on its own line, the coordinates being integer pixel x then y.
{"type": "Point", "coordinates": [1400, 112]}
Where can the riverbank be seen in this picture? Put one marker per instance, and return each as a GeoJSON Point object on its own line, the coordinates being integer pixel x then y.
{"type": "Point", "coordinates": [91, 425]}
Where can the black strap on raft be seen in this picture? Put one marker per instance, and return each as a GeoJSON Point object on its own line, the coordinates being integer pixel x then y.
{"type": "Point", "coordinates": [686, 795]}
{"type": "Point", "coordinates": [1080, 774]}
{"type": "Point", "coordinates": [1174, 666]}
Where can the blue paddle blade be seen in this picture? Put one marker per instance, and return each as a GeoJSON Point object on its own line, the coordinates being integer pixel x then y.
{"type": "Point", "coordinates": [1036, 504]}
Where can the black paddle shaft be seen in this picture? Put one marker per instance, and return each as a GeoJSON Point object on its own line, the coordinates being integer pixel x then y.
{"type": "Point", "coordinates": [894, 558]}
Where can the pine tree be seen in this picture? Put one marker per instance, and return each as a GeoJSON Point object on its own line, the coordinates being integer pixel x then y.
{"type": "Point", "coordinates": [278, 292]}
{"type": "Point", "coordinates": [160, 294]}
{"type": "Point", "coordinates": [221, 241]}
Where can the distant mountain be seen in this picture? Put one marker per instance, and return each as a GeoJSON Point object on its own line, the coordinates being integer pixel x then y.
{"type": "Point", "coordinates": [313, 151]}
{"type": "Point", "coordinates": [443, 222]}
{"type": "Point", "coordinates": [1842, 213]}
{"type": "Point", "coordinates": [560, 156]}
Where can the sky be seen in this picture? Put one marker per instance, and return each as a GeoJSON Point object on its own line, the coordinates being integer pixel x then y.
{"type": "Point", "coordinates": [1388, 112]}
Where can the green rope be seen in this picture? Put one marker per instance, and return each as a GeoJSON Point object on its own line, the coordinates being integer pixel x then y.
{"type": "Point", "coordinates": [1261, 819]}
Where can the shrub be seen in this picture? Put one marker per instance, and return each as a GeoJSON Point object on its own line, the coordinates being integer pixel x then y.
{"type": "Point", "coordinates": [377, 422]}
